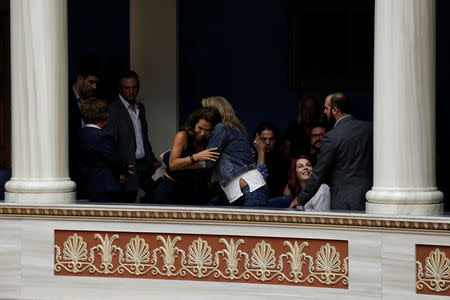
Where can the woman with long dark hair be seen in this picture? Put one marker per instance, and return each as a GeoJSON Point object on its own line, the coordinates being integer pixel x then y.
{"type": "Point", "coordinates": [181, 184]}
{"type": "Point", "coordinates": [298, 178]}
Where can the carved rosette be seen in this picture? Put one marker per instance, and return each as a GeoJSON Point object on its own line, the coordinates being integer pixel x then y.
{"type": "Point", "coordinates": [435, 279]}
{"type": "Point", "coordinates": [210, 258]}
{"type": "Point", "coordinates": [74, 255]}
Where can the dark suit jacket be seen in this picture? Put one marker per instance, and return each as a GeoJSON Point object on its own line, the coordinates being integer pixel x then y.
{"type": "Point", "coordinates": [346, 159]}
{"type": "Point", "coordinates": [100, 164]}
{"type": "Point", "coordinates": [121, 128]}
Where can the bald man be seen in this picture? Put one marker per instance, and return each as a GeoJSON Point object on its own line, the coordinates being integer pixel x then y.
{"type": "Point", "coordinates": [345, 158]}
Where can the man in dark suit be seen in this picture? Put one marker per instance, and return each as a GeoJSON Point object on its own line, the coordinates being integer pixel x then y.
{"type": "Point", "coordinates": [99, 160]}
{"type": "Point", "coordinates": [84, 87]}
{"type": "Point", "coordinates": [128, 126]}
{"type": "Point", "coordinates": [345, 159]}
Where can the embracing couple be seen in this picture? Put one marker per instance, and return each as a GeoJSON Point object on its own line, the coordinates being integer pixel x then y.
{"type": "Point", "coordinates": [188, 178]}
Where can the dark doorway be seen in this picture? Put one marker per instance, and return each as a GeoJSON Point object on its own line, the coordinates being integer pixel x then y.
{"type": "Point", "coordinates": [5, 87]}
{"type": "Point", "coordinates": [331, 44]}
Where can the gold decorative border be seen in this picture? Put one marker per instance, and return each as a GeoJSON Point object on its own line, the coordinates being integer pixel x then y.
{"type": "Point", "coordinates": [275, 217]}
{"type": "Point", "coordinates": [208, 258]}
{"type": "Point", "coordinates": [435, 279]}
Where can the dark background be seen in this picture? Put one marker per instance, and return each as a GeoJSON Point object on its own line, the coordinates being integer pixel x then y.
{"type": "Point", "coordinates": [99, 32]}
{"type": "Point", "coordinates": [262, 55]}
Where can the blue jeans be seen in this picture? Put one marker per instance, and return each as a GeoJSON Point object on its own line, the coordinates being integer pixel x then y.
{"type": "Point", "coordinates": [168, 192]}
{"type": "Point", "coordinates": [256, 198]}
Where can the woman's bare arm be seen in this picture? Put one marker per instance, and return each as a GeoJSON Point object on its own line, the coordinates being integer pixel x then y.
{"type": "Point", "coordinates": [259, 146]}
{"type": "Point", "coordinates": [176, 162]}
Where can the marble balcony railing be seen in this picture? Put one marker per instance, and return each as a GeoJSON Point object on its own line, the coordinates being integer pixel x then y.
{"type": "Point", "coordinates": [57, 251]}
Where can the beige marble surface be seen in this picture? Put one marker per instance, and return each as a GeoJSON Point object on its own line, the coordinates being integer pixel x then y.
{"type": "Point", "coordinates": [381, 262]}
{"type": "Point", "coordinates": [404, 209]}
{"type": "Point", "coordinates": [398, 264]}
{"type": "Point", "coordinates": [10, 259]}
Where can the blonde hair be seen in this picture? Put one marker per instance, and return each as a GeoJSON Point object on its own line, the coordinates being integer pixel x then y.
{"type": "Point", "coordinates": [226, 111]}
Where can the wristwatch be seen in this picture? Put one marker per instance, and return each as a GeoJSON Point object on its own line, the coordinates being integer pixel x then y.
{"type": "Point", "coordinates": [191, 158]}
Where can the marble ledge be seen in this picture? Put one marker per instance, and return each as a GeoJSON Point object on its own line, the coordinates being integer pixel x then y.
{"type": "Point", "coordinates": [154, 213]}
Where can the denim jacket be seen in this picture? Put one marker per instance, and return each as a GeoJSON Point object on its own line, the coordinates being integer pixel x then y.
{"type": "Point", "coordinates": [235, 153]}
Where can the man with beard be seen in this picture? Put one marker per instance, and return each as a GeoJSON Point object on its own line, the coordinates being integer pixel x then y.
{"type": "Point", "coordinates": [298, 134]}
{"type": "Point", "coordinates": [345, 156]}
{"type": "Point", "coordinates": [84, 87]}
{"type": "Point", "coordinates": [317, 130]}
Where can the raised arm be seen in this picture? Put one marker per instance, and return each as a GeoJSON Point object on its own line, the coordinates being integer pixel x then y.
{"type": "Point", "coordinates": [259, 146]}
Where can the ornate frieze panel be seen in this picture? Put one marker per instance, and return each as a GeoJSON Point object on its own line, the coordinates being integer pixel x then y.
{"type": "Point", "coordinates": [206, 215]}
{"type": "Point", "coordinates": [319, 263]}
{"type": "Point", "coordinates": [433, 270]}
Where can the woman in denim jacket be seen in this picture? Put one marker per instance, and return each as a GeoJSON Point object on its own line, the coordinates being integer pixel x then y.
{"type": "Point", "coordinates": [236, 170]}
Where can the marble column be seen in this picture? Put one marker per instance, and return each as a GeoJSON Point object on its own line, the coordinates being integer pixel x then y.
{"type": "Point", "coordinates": [39, 91]}
{"type": "Point", "coordinates": [404, 110]}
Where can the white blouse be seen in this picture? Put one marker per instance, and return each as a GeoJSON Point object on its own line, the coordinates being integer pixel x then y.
{"type": "Point", "coordinates": [253, 178]}
{"type": "Point", "coordinates": [320, 201]}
